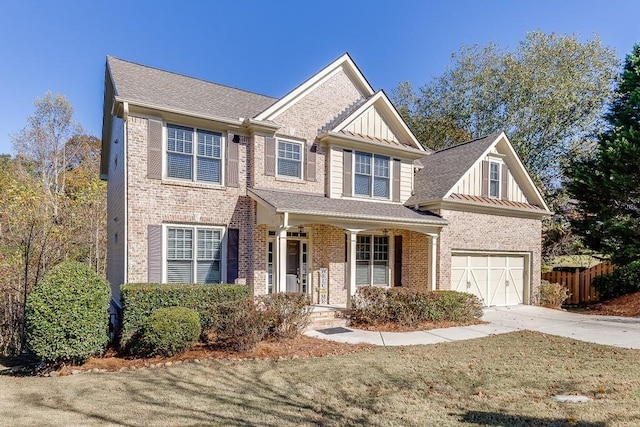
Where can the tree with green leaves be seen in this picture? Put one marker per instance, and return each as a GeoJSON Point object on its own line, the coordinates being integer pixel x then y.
{"type": "Point", "coordinates": [547, 95]}
{"type": "Point", "coordinates": [606, 184]}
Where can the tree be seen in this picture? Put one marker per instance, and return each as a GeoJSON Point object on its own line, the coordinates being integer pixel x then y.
{"type": "Point", "coordinates": [607, 183]}
{"type": "Point", "coordinates": [44, 142]}
{"type": "Point", "coordinates": [547, 95]}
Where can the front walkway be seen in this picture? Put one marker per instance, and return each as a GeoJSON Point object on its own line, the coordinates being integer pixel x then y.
{"type": "Point", "coordinates": [608, 330]}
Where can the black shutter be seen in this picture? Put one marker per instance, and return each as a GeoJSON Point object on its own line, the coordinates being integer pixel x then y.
{"type": "Point", "coordinates": [232, 160]}
{"type": "Point", "coordinates": [396, 180]}
{"type": "Point", "coordinates": [270, 156]}
{"type": "Point", "coordinates": [485, 179]}
{"type": "Point", "coordinates": [154, 253]}
{"type": "Point", "coordinates": [154, 149]}
{"type": "Point", "coordinates": [233, 253]}
{"type": "Point", "coordinates": [397, 261]}
{"type": "Point", "coordinates": [347, 179]}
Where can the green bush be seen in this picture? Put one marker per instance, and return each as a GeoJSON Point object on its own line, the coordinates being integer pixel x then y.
{"type": "Point", "coordinates": [241, 325]}
{"type": "Point", "coordinates": [409, 307]}
{"type": "Point", "coordinates": [139, 301]}
{"type": "Point", "coordinates": [552, 294]}
{"type": "Point", "coordinates": [624, 280]}
{"type": "Point", "coordinates": [66, 314]}
{"type": "Point", "coordinates": [169, 331]}
{"type": "Point", "coordinates": [287, 314]}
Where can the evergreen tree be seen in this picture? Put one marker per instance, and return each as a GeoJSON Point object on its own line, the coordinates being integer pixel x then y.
{"type": "Point", "coordinates": [606, 184]}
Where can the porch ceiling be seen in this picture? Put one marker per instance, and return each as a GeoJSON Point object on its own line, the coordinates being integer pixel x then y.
{"type": "Point", "coordinates": [342, 212]}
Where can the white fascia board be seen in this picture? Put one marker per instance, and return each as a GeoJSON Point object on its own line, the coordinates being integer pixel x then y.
{"type": "Point", "coordinates": [348, 141]}
{"type": "Point", "coordinates": [344, 62]}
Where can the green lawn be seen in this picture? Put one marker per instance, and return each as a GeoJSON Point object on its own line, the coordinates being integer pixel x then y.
{"type": "Point", "coordinates": [504, 380]}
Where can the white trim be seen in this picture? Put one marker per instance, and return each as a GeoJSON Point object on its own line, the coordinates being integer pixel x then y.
{"type": "Point", "coordinates": [499, 165]}
{"type": "Point", "coordinates": [389, 108]}
{"type": "Point", "coordinates": [125, 192]}
{"type": "Point", "coordinates": [342, 63]}
{"type": "Point", "coordinates": [195, 228]}
{"type": "Point", "coordinates": [302, 159]}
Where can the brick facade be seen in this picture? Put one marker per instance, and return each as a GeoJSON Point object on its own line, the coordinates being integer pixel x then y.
{"type": "Point", "coordinates": [468, 231]}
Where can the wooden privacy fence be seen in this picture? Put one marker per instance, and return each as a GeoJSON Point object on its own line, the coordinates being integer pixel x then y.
{"type": "Point", "coordinates": [579, 282]}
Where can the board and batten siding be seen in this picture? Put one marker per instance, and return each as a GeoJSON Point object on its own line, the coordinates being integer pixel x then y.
{"type": "Point", "coordinates": [406, 180]}
{"type": "Point", "coordinates": [471, 185]}
{"type": "Point", "coordinates": [370, 123]}
{"type": "Point", "coordinates": [116, 209]}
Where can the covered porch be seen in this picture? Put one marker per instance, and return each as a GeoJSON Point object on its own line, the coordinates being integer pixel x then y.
{"type": "Point", "coordinates": [328, 247]}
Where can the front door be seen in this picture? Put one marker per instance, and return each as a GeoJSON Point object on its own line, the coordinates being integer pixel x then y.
{"type": "Point", "coordinates": [297, 262]}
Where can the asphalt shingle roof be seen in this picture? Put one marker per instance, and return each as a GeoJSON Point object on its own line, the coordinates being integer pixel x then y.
{"type": "Point", "coordinates": [312, 204]}
{"type": "Point", "coordinates": [148, 85]}
{"type": "Point", "coordinates": [443, 168]}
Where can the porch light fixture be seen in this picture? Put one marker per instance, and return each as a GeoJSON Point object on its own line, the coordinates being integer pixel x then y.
{"type": "Point", "coordinates": [385, 232]}
{"type": "Point", "coordinates": [300, 229]}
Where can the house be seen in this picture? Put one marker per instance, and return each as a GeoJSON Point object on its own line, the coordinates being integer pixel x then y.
{"type": "Point", "coordinates": [320, 191]}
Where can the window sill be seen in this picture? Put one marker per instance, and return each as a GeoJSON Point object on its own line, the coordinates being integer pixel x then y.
{"type": "Point", "coordinates": [289, 179]}
{"type": "Point", "coordinates": [192, 184]}
{"type": "Point", "coordinates": [372, 199]}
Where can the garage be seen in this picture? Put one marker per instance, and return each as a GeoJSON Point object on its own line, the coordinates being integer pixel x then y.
{"type": "Point", "coordinates": [497, 279]}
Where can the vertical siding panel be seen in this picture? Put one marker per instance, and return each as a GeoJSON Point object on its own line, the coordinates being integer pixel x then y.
{"type": "Point", "coordinates": [505, 182]}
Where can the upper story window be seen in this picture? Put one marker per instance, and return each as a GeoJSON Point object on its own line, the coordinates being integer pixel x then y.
{"type": "Point", "coordinates": [494, 180]}
{"type": "Point", "coordinates": [194, 255]}
{"type": "Point", "coordinates": [289, 159]}
{"type": "Point", "coordinates": [184, 162]}
{"type": "Point", "coordinates": [371, 177]}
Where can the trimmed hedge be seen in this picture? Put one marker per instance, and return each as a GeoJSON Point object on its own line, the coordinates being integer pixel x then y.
{"type": "Point", "coordinates": [66, 314]}
{"type": "Point", "coordinates": [169, 331]}
{"type": "Point", "coordinates": [140, 300]}
{"type": "Point", "coordinates": [373, 305]}
{"type": "Point", "coordinates": [241, 325]}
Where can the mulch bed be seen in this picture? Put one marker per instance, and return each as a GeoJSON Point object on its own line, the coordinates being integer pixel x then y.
{"type": "Point", "coordinates": [626, 305]}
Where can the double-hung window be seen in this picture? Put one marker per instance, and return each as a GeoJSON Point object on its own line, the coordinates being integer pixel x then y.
{"type": "Point", "coordinates": [372, 260]}
{"type": "Point", "coordinates": [289, 159]}
{"type": "Point", "coordinates": [371, 177]}
{"type": "Point", "coordinates": [194, 255]}
{"type": "Point", "coordinates": [494, 180]}
{"type": "Point", "coordinates": [194, 153]}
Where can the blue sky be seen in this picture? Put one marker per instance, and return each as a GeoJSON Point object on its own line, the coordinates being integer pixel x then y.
{"type": "Point", "coordinates": [267, 47]}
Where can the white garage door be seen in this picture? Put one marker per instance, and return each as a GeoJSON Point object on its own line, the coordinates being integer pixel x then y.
{"type": "Point", "coordinates": [495, 279]}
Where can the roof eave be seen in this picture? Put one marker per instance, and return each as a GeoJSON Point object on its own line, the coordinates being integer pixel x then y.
{"type": "Point", "coordinates": [479, 207]}
{"type": "Point", "coordinates": [330, 138]}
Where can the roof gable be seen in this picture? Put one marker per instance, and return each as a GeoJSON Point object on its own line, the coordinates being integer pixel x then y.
{"type": "Point", "coordinates": [344, 63]}
{"type": "Point", "coordinates": [147, 86]}
{"type": "Point", "coordinates": [444, 169]}
{"type": "Point", "coordinates": [378, 119]}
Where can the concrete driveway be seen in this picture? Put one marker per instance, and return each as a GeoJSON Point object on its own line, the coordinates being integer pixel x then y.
{"type": "Point", "coordinates": [609, 330]}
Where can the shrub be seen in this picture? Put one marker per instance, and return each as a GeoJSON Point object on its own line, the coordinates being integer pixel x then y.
{"type": "Point", "coordinates": [241, 326]}
{"type": "Point", "coordinates": [169, 331]}
{"type": "Point", "coordinates": [287, 314]}
{"type": "Point", "coordinates": [552, 294]}
{"type": "Point", "coordinates": [66, 314]}
{"type": "Point", "coordinates": [410, 307]}
{"type": "Point", "coordinates": [139, 301]}
{"type": "Point", "coordinates": [622, 281]}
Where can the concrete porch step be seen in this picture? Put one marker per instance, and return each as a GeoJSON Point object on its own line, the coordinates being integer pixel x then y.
{"type": "Point", "coordinates": [323, 317]}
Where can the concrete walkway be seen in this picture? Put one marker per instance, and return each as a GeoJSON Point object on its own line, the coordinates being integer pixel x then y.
{"type": "Point", "coordinates": [609, 330]}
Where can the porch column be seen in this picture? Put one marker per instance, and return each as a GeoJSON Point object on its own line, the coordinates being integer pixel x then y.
{"type": "Point", "coordinates": [433, 258]}
{"type": "Point", "coordinates": [281, 255]}
{"type": "Point", "coordinates": [351, 253]}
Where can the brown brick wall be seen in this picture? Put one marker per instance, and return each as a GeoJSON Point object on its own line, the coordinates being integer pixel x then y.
{"type": "Point", "coordinates": [415, 259]}
{"type": "Point", "coordinates": [490, 233]}
{"type": "Point", "coordinates": [153, 201]}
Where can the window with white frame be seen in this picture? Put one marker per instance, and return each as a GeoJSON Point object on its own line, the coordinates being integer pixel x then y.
{"type": "Point", "coordinates": [372, 260]}
{"type": "Point", "coordinates": [494, 180]}
{"type": "Point", "coordinates": [184, 161]}
{"type": "Point", "coordinates": [371, 177]}
{"type": "Point", "coordinates": [194, 255]}
{"type": "Point", "coordinates": [289, 159]}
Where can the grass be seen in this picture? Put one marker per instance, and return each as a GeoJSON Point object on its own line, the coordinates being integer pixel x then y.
{"type": "Point", "coordinates": [503, 380]}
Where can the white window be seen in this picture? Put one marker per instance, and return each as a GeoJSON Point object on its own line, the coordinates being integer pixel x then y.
{"type": "Point", "coordinates": [372, 260]}
{"type": "Point", "coordinates": [371, 177]}
{"type": "Point", "coordinates": [184, 162]}
{"type": "Point", "coordinates": [494, 180]}
{"type": "Point", "coordinates": [289, 159]}
{"type": "Point", "coordinates": [194, 255]}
